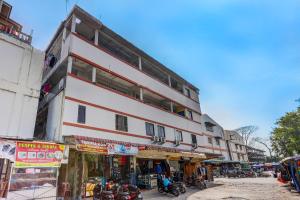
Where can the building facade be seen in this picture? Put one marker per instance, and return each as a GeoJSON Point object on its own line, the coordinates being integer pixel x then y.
{"type": "Point", "coordinates": [255, 155]}
{"type": "Point", "coordinates": [21, 68]}
{"type": "Point", "coordinates": [236, 146]}
{"type": "Point", "coordinates": [215, 136]}
{"type": "Point", "coordinates": [103, 95]}
{"type": "Point", "coordinates": [104, 87]}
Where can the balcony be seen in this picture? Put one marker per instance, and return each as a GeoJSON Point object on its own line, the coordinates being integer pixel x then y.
{"type": "Point", "coordinates": [16, 34]}
{"type": "Point", "coordinates": [117, 84]}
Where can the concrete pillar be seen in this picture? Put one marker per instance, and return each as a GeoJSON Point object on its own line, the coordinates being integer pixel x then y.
{"type": "Point", "coordinates": [171, 105]}
{"type": "Point", "coordinates": [63, 41]}
{"type": "Point", "coordinates": [1, 3]}
{"type": "Point", "coordinates": [141, 94]}
{"type": "Point", "coordinates": [73, 24]}
{"type": "Point", "coordinates": [140, 63]}
{"type": "Point", "coordinates": [94, 75]}
{"type": "Point", "coordinates": [96, 36]}
{"type": "Point", "coordinates": [64, 33]}
{"type": "Point", "coordinates": [70, 63]}
{"type": "Point", "coordinates": [169, 80]}
{"type": "Point", "coordinates": [186, 112]}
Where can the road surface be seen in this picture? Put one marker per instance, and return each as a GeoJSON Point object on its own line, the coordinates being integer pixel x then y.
{"type": "Point", "coordinates": [234, 189]}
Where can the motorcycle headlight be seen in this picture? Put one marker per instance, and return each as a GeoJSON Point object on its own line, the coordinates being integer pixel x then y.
{"type": "Point", "coordinates": [140, 196]}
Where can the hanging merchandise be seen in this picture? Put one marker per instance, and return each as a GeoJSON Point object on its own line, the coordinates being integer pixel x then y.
{"type": "Point", "coordinates": [8, 150]}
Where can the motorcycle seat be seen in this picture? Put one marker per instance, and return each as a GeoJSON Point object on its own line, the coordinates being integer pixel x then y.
{"type": "Point", "coordinates": [107, 192]}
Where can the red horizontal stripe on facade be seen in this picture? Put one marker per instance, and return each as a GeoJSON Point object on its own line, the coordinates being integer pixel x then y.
{"type": "Point", "coordinates": [127, 114]}
{"type": "Point", "coordinates": [126, 79]}
{"type": "Point", "coordinates": [123, 133]}
{"type": "Point", "coordinates": [134, 67]}
{"type": "Point", "coordinates": [114, 91]}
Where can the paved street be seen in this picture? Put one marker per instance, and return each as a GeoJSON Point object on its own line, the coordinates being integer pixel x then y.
{"type": "Point", "coordinates": [237, 189]}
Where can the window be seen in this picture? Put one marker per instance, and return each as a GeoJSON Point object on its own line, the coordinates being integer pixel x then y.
{"type": "Point", "coordinates": [236, 146]}
{"type": "Point", "coordinates": [178, 135]}
{"type": "Point", "coordinates": [188, 92]}
{"type": "Point", "coordinates": [239, 157]}
{"type": "Point", "coordinates": [194, 139]}
{"type": "Point", "coordinates": [209, 140]}
{"type": "Point", "coordinates": [209, 127]}
{"type": "Point", "coordinates": [161, 131]}
{"type": "Point", "coordinates": [241, 148]}
{"type": "Point", "coordinates": [81, 114]}
{"type": "Point", "coordinates": [121, 123]}
{"type": "Point", "coordinates": [150, 129]}
{"type": "Point", "coordinates": [217, 141]}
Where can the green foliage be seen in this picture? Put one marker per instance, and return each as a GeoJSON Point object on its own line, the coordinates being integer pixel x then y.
{"type": "Point", "coordinates": [285, 138]}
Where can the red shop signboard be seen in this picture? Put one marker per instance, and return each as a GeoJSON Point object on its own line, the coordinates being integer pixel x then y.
{"type": "Point", "coordinates": [38, 154]}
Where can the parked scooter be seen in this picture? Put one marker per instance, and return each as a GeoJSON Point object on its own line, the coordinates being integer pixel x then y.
{"type": "Point", "coordinates": [101, 194]}
{"type": "Point", "coordinates": [118, 192]}
{"type": "Point", "coordinates": [169, 188]}
{"type": "Point", "coordinates": [134, 191]}
{"type": "Point", "coordinates": [194, 181]}
{"type": "Point", "coordinates": [176, 181]}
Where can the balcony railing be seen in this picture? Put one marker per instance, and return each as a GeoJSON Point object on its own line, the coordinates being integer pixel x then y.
{"type": "Point", "coordinates": [16, 34]}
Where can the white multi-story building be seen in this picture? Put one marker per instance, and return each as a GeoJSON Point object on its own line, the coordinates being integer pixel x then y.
{"type": "Point", "coordinates": [104, 87]}
{"type": "Point", "coordinates": [236, 146]}
{"type": "Point", "coordinates": [21, 68]}
{"type": "Point", "coordinates": [215, 136]}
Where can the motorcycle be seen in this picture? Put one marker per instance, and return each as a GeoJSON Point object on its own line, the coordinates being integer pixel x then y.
{"type": "Point", "coordinates": [176, 181]}
{"type": "Point", "coordinates": [193, 181]}
{"type": "Point", "coordinates": [101, 194]}
{"type": "Point", "coordinates": [171, 188]}
{"type": "Point", "coordinates": [134, 191]}
{"type": "Point", "coordinates": [118, 192]}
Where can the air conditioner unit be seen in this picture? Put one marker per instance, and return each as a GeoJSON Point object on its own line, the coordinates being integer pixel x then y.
{"type": "Point", "coordinates": [162, 140]}
{"type": "Point", "coordinates": [155, 139]}
{"type": "Point", "coordinates": [194, 146]}
{"type": "Point", "coordinates": [177, 143]}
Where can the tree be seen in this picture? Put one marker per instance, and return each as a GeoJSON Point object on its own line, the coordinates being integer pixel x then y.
{"type": "Point", "coordinates": [285, 137]}
{"type": "Point", "coordinates": [264, 142]}
{"type": "Point", "coordinates": [246, 132]}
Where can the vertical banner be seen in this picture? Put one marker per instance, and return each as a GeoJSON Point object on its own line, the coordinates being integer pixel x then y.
{"type": "Point", "coordinates": [38, 154]}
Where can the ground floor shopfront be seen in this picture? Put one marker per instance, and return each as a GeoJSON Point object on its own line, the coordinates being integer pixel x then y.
{"type": "Point", "coordinates": [29, 169]}
{"type": "Point", "coordinates": [93, 161]}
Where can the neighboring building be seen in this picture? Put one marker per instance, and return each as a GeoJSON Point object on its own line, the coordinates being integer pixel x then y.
{"type": "Point", "coordinates": [255, 155]}
{"type": "Point", "coordinates": [21, 68]}
{"type": "Point", "coordinates": [215, 136]}
{"type": "Point", "coordinates": [236, 146]}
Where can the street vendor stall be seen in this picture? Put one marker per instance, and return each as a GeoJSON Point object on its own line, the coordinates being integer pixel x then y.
{"type": "Point", "coordinates": [292, 167]}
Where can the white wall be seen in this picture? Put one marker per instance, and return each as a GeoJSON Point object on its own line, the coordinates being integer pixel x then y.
{"type": "Point", "coordinates": [20, 81]}
{"type": "Point", "coordinates": [105, 60]}
{"type": "Point", "coordinates": [105, 119]}
{"type": "Point", "coordinates": [87, 92]}
{"type": "Point", "coordinates": [54, 117]}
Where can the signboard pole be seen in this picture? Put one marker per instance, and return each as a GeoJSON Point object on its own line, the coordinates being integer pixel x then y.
{"type": "Point", "coordinates": [10, 174]}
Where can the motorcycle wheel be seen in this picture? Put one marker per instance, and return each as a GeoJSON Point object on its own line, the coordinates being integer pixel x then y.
{"type": "Point", "coordinates": [175, 192]}
{"type": "Point", "coordinates": [160, 190]}
{"type": "Point", "coordinates": [182, 190]}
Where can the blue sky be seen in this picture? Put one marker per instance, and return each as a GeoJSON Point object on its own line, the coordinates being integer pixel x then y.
{"type": "Point", "coordinates": [243, 55]}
